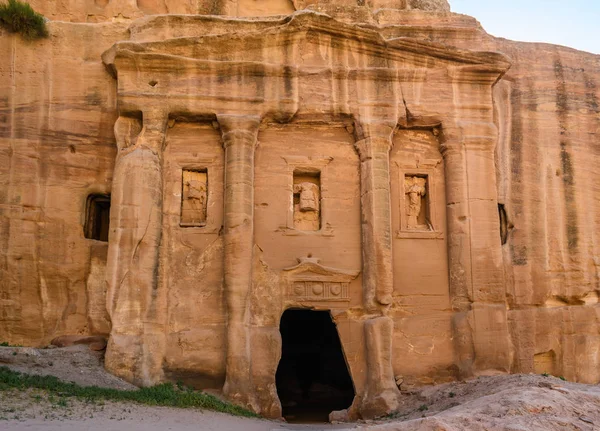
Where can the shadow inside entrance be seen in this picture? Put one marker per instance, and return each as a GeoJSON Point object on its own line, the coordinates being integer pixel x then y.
{"type": "Point", "coordinates": [312, 377]}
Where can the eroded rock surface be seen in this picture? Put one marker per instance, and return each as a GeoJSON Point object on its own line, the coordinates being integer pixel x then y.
{"type": "Point", "coordinates": [96, 11]}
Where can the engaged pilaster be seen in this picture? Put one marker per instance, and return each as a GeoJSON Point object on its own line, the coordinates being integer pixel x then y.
{"type": "Point", "coordinates": [373, 145]}
{"type": "Point", "coordinates": [239, 135]}
{"type": "Point", "coordinates": [381, 395]}
{"type": "Point", "coordinates": [474, 250]}
{"type": "Point", "coordinates": [135, 302]}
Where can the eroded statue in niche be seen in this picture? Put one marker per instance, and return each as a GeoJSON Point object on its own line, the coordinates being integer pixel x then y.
{"type": "Point", "coordinates": [194, 198]}
{"type": "Point", "coordinates": [307, 206]}
{"type": "Point", "coordinates": [415, 189]}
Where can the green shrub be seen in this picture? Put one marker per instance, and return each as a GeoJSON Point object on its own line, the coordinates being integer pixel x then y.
{"type": "Point", "coordinates": [18, 17]}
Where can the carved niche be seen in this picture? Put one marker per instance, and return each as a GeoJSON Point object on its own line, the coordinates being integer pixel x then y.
{"type": "Point", "coordinates": [194, 198]}
{"type": "Point", "coordinates": [307, 201]}
{"type": "Point", "coordinates": [416, 203]}
{"type": "Point", "coordinates": [307, 213]}
{"type": "Point", "coordinates": [420, 216]}
{"type": "Point", "coordinates": [309, 281]}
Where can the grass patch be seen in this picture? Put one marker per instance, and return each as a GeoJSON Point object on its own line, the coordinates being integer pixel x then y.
{"type": "Point", "coordinates": [6, 344]}
{"type": "Point", "coordinates": [18, 17]}
{"type": "Point", "coordinates": [161, 395]}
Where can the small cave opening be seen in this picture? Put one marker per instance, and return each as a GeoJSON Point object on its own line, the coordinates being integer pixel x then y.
{"type": "Point", "coordinates": [312, 377]}
{"type": "Point", "coordinates": [97, 217]}
{"type": "Point", "coordinates": [504, 224]}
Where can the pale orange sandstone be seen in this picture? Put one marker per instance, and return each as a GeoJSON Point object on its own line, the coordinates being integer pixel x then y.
{"type": "Point", "coordinates": [367, 96]}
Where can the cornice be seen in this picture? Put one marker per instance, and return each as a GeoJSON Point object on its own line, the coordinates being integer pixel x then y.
{"type": "Point", "coordinates": [288, 33]}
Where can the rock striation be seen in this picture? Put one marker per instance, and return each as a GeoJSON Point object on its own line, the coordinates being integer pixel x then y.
{"type": "Point", "coordinates": [180, 175]}
{"type": "Point", "coordinates": [96, 11]}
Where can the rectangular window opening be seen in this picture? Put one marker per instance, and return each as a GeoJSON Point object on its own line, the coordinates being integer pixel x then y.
{"type": "Point", "coordinates": [194, 198]}
{"type": "Point", "coordinates": [97, 220]}
{"type": "Point", "coordinates": [307, 200]}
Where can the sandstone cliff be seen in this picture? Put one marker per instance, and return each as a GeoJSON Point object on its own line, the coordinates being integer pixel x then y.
{"type": "Point", "coordinates": [58, 107]}
{"type": "Point", "coordinates": [93, 11]}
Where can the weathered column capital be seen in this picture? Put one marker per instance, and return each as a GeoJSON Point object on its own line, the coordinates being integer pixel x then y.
{"type": "Point", "coordinates": [469, 135]}
{"type": "Point", "coordinates": [373, 145]}
{"type": "Point", "coordinates": [127, 130]}
{"type": "Point", "coordinates": [154, 129]}
{"type": "Point", "coordinates": [373, 128]}
{"type": "Point", "coordinates": [155, 120]}
{"type": "Point", "coordinates": [239, 129]}
{"type": "Point", "coordinates": [373, 137]}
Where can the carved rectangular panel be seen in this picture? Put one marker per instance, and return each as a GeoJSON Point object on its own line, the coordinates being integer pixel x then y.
{"type": "Point", "coordinates": [194, 198]}
{"type": "Point", "coordinates": [318, 291]}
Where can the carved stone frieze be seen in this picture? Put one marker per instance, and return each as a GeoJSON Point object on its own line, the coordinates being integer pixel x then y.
{"type": "Point", "coordinates": [309, 281]}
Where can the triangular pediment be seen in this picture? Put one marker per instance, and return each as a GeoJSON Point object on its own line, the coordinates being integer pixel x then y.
{"type": "Point", "coordinates": [309, 281]}
{"type": "Point", "coordinates": [310, 269]}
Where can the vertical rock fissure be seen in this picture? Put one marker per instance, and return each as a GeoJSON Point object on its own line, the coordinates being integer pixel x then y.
{"type": "Point", "coordinates": [518, 251]}
{"type": "Point", "coordinates": [566, 162]}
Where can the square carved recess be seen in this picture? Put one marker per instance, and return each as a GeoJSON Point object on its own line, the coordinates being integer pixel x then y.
{"type": "Point", "coordinates": [304, 171]}
{"type": "Point", "coordinates": [196, 191]}
{"type": "Point", "coordinates": [419, 213]}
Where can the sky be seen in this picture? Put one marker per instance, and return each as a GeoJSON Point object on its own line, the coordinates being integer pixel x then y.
{"type": "Point", "coordinates": [573, 23]}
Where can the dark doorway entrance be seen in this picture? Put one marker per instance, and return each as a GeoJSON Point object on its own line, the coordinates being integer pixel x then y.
{"type": "Point", "coordinates": [312, 377]}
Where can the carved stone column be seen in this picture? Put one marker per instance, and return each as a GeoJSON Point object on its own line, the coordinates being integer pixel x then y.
{"type": "Point", "coordinates": [135, 302]}
{"type": "Point", "coordinates": [475, 256]}
{"type": "Point", "coordinates": [374, 152]}
{"type": "Point", "coordinates": [381, 395]}
{"type": "Point", "coordinates": [239, 140]}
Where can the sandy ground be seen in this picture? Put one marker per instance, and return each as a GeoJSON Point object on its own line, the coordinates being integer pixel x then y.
{"type": "Point", "coordinates": [72, 364]}
{"type": "Point", "coordinates": [500, 403]}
